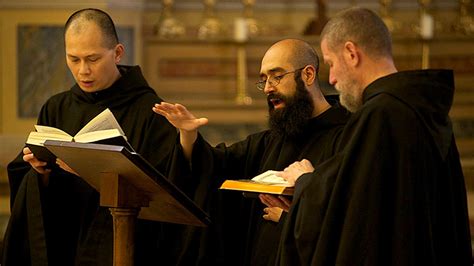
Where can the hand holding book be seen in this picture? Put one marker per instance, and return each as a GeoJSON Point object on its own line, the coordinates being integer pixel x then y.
{"type": "Point", "coordinates": [103, 129]}
{"type": "Point", "coordinates": [268, 182]}
{"type": "Point", "coordinates": [40, 166]}
{"type": "Point", "coordinates": [273, 201]}
{"type": "Point", "coordinates": [275, 206]}
{"type": "Point", "coordinates": [272, 182]}
{"type": "Point", "coordinates": [272, 214]}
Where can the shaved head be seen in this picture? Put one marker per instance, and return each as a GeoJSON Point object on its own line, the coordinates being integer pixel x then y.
{"type": "Point", "coordinates": [297, 52]}
{"type": "Point", "coordinates": [80, 20]}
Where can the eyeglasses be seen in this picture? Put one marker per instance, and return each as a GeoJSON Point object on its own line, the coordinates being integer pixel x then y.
{"type": "Point", "coordinates": [274, 80]}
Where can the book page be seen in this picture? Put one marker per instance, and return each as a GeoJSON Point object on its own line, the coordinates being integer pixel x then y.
{"type": "Point", "coordinates": [270, 177]}
{"type": "Point", "coordinates": [38, 138]}
{"type": "Point", "coordinates": [104, 120]}
{"type": "Point", "coordinates": [50, 130]}
{"type": "Point", "coordinates": [94, 136]}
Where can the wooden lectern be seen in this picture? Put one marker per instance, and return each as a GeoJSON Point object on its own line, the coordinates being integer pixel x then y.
{"type": "Point", "coordinates": [130, 187]}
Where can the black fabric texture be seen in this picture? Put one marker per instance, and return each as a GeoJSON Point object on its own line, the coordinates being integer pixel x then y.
{"type": "Point", "coordinates": [394, 193]}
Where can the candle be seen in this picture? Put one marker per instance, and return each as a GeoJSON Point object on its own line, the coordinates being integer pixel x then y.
{"type": "Point", "coordinates": [426, 26]}
{"type": "Point", "coordinates": [240, 29]}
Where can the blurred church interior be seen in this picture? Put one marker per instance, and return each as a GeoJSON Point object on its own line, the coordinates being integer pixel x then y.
{"type": "Point", "coordinates": [206, 55]}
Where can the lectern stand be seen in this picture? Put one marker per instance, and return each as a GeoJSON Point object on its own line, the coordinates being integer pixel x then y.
{"type": "Point", "coordinates": [130, 187]}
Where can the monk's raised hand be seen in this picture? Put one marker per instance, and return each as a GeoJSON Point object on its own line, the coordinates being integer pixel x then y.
{"type": "Point", "coordinates": [179, 116]}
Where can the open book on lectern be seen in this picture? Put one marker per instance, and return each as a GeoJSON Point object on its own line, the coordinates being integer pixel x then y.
{"type": "Point", "coordinates": [166, 202]}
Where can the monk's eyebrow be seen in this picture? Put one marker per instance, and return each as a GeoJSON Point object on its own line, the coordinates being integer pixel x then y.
{"type": "Point", "coordinates": [89, 55]}
{"type": "Point", "coordinates": [276, 69]}
{"type": "Point", "coordinates": [272, 71]}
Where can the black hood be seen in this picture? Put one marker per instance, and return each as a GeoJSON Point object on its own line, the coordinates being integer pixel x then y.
{"type": "Point", "coordinates": [130, 85]}
{"type": "Point", "coordinates": [429, 93]}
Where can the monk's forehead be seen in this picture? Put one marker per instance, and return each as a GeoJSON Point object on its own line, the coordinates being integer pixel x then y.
{"type": "Point", "coordinates": [277, 57]}
{"type": "Point", "coordinates": [79, 25]}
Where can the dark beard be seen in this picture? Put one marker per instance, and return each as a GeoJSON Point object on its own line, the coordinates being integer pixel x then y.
{"type": "Point", "coordinates": [291, 120]}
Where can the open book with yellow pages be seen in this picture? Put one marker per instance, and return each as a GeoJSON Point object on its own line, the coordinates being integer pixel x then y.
{"type": "Point", "coordinates": [267, 183]}
{"type": "Point", "coordinates": [103, 129]}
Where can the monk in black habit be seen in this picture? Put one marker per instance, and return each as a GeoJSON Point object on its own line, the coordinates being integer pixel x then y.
{"type": "Point", "coordinates": [394, 193]}
{"type": "Point", "coordinates": [303, 124]}
{"type": "Point", "coordinates": [55, 215]}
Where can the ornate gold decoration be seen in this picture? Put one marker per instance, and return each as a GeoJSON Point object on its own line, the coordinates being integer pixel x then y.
{"type": "Point", "coordinates": [211, 26]}
{"type": "Point", "coordinates": [465, 23]}
{"type": "Point", "coordinates": [385, 13]}
{"type": "Point", "coordinates": [254, 27]}
{"type": "Point", "coordinates": [168, 26]}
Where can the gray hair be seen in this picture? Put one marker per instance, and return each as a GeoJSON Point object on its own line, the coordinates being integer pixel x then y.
{"type": "Point", "coordinates": [362, 27]}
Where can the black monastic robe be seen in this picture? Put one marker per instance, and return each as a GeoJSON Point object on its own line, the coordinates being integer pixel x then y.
{"type": "Point", "coordinates": [238, 234]}
{"type": "Point", "coordinates": [394, 193]}
{"type": "Point", "coordinates": [62, 224]}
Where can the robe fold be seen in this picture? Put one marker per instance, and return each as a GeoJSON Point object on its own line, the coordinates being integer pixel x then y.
{"type": "Point", "coordinates": [394, 193]}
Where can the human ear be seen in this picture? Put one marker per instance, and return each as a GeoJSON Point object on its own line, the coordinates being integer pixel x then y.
{"type": "Point", "coordinates": [309, 74]}
{"type": "Point", "coordinates": [119, 52]}
{"type": "Point", "coordinates": [351, 54]}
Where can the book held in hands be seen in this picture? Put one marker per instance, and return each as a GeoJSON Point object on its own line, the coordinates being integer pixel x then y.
{"type": "Point", "coordinates": [103, 129]}
{"type": "Point", "coordinates": [267, 183]}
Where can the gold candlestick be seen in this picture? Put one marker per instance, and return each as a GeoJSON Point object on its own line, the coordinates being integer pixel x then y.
{"type": "Point", "coordinates": [245, 27]}
{"type": "Point", "coordinates": [386, 16]}
{"type": "Point", "coordinates": [254, 28]}
{"type": "Point", "coordinates": [426, 32]}
{"type": "Point", "coordinates": [425, 55]}
{"type": "Point", "coordinates": [242, 97]}
{"type": "Point", "coordinates": [168, 26]}
{"type": "Point", "coordinates": [465, 24]}
{"type": "Point", "coordinates": [211, 26]}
